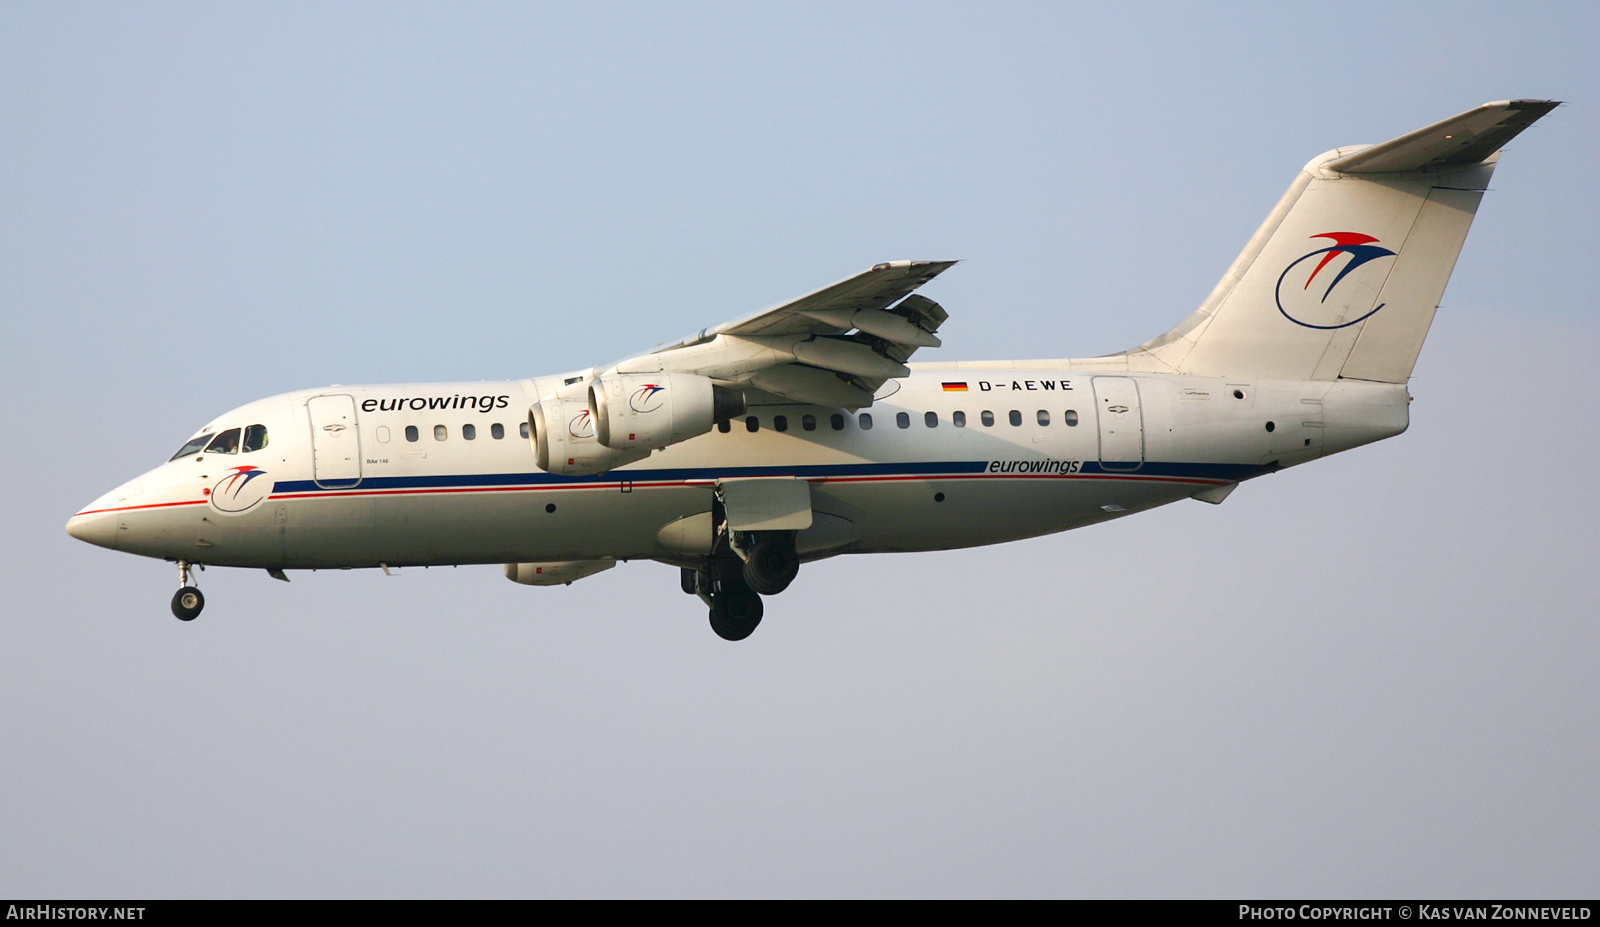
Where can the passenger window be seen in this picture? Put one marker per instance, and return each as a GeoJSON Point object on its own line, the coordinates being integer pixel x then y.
{"type": "Point", "coordinates": [1071, 418]}
{"type": "Point", "coordinates": [837, 421]}
{"type": "Point", "coordinates": [902, 419]}
{"type": "Point", "coordinates": [523, 429]}
{"type": "Point", "coordinates": [866, 421]}
{"type": "Point", "coordinates": [987, 418]}
{"type": "Point", "coordinates": [497, 431]}
{"type": "Point", "coordinates": [1044, 417]}
{"type": "Point", "coordinates": [193, 447]}
{"type": "Point", "coordinates": [780, 423]}
{"type": "Point", "coordinates": [225, 443]}
{"type": "Point", "coordinates": [255, 438]}
{"type": "Point", "coordinates": [752, 424]}
{"type": "Point", "coordinates": [724, 426]}
{"type": "Point", "coordinates": [958, 419]}
{"type": "Point", "coordinates": [931, 419]}
{"type": "Point", "coordinates": [440, 432]}
{"type": "Point", "coordinates": [1016, 417]}
{"type": "Point", "coordinates": [411, 432]}
{"type": "Point", "coordinates": [469, 432]}
{"type": "Point", "coordinates": [383, 434]}
{"type": "Point", "coordinates": [808, 422]}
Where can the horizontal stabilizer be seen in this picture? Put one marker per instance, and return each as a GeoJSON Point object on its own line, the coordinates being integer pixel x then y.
{"type": "Point", "coordinates": [1460, 140]}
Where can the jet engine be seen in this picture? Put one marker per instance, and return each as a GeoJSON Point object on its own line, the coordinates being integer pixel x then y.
{"type": "Point", "coordinates": [562, 433]}
{"type": "Point", "coordinates": [644, 412]}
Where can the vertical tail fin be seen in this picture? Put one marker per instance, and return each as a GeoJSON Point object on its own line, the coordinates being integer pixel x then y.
{"type": "Point", "coordinates": [1343, 278]}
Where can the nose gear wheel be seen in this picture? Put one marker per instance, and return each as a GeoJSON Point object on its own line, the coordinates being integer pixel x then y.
{"type": "Point", "coordinates": [187, 603]}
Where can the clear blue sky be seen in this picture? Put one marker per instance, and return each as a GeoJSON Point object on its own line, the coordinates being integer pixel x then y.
{"type": "Point", "coordinates": [1371, 676]}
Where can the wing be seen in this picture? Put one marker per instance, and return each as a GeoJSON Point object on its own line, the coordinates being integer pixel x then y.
{"type": "Point", "coordinates": [833, 347]}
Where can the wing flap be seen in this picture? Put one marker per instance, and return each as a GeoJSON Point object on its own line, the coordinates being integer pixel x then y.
{"type": "Point", "coordinates": [877, 288]}
{"type": "Point", "coordinates": [832, 347]}
{"type": "Point", "coordinates": [812, 385]}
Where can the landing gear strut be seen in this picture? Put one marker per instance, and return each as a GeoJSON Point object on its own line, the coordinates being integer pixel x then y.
{"type": "Point", "coordinates": [188, 601]}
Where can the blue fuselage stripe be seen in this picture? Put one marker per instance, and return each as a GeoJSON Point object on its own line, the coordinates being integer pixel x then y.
{"type": "Point", "coordinates": [934, 470]}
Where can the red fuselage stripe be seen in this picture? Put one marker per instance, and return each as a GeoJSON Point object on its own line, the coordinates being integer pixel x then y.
{"type": "Point", "coordinates": [613, 487]}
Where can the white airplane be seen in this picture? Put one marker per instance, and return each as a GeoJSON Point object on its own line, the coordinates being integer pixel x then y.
{"type": "Point", "coordinates": [802, 432]}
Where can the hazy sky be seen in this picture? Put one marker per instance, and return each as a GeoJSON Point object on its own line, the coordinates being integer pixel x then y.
{"type": "Point", "coordinates": [1371, 676]}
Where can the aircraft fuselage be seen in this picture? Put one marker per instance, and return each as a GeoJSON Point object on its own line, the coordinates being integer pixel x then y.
{"type": "Point", "coordinates": [443, 473]}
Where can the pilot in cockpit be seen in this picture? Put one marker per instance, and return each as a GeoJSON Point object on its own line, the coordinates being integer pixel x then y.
{"type": "Point", "coordinates": [225, 443]}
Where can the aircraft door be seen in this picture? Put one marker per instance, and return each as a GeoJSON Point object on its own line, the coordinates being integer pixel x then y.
{"type": "Point", "coordinates": [1116, 406]}
{"type": "Point", "coordinates": [335, 442]}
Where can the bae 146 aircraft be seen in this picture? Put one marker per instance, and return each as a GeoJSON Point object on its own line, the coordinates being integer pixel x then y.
{"type": "Point", "coordinates": [802, 432]}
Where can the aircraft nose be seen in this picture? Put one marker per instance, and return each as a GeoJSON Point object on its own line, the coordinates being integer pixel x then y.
{"type": "Point", "coordinates": [100, 521]}
{"type": "Point", "coordinates": [95, 527]}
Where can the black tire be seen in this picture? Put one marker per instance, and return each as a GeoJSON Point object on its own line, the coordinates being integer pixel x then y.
{"type": "Point", "coordinates": [187, 603]}
{"type": "Point", "coordinates": [735, 613]}
{"type": "Point", "coordinates": [772, 566]}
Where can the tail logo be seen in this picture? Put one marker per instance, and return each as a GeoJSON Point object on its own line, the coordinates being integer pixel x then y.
{"type": "Point", "coordinates": [1301, 303]}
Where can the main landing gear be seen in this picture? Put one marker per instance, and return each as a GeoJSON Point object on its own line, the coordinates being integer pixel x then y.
{"type": "Point", "coordinates": [735, 612]}
{"type": "Point", "coordinates": [732, 585]}
{"type": "Point", "coordinates": [188, 601]}
{"type": "Point", "coordinates": [735, 608]}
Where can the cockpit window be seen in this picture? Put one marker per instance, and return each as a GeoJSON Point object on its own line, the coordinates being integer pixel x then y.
{"type": "Point", "coordinates": [255, 438]}
{"type": "Point", "coordinates": [193, 447]}
{"type": "Point", "coordinates": [225, 443]}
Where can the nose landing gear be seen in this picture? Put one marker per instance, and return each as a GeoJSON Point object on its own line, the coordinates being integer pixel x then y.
{"type": "Point", "coordinates": [188, 601]}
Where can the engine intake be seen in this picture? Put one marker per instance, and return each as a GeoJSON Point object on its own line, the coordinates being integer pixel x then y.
{"type": "Point", "coordinates": [562, 434]}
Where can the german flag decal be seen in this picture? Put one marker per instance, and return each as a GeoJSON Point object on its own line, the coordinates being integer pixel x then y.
{"type": "Point", "coordinates": [956, 387]}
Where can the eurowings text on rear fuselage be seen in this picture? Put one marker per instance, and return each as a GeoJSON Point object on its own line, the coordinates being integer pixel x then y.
{"type": "Point", "coordinates": [803, 432]}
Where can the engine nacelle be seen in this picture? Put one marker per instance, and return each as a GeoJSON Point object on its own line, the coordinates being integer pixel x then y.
{"type": "Point", "coordinates": [647, 411]}
{"type": "Point", "coordinates": [560, 573]}
{"type": "Point", "coordinates": [562, 434]}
